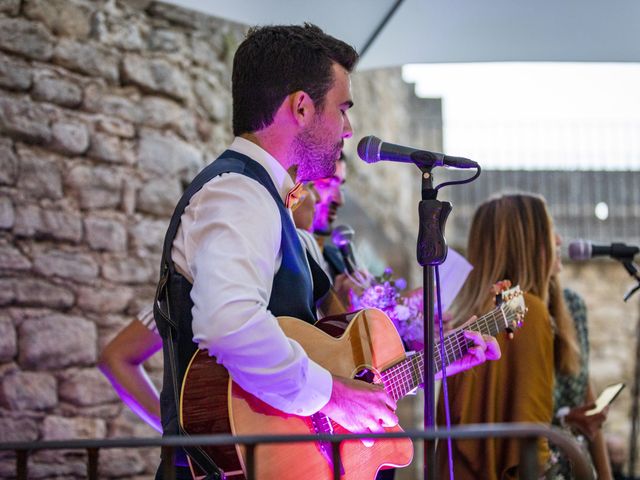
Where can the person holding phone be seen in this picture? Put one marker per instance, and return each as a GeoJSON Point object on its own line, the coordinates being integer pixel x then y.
{"type": "Point", "coordinates": [573, 392]}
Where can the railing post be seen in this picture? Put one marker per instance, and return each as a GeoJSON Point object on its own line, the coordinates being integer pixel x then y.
{"type": "Point", "coordinates": [92, 463]}
{"type": "Point", "coordinates": [528, 468]}
{"type": "Point", "coordinates": [168, 464]}
{"type": "Point", "coordinates": [335, 457]}
{"type": "Point", "coordinates": [22, 469]}
{"type": "Point", "coordinates": [251, 461]}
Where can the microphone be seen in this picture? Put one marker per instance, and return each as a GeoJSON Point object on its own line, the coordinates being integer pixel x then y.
{"type": "Point", "coordinates": [371, 149]}
{"type": "Point", "coordinates": [341, 237]}
{"type": "Point", "coordinates": [584, 250]}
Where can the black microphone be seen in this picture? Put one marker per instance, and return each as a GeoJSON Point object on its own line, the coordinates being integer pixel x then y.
{"type": "Point", "coordinates": [371, 149]}
{"type": "Point", "coordinates": [341, 237]}
{"type": "Point", "coordinates": [584, 250]}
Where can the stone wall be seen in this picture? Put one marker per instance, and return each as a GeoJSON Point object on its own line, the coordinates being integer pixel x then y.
{"type": "Point", "coordinates": [106, 110]}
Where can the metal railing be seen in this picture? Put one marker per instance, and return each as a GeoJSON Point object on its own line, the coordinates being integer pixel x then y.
{"type": "Point", "coordinates": [527, 432]}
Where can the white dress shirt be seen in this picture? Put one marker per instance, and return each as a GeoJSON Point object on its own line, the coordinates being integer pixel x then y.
{"type": "Point", "coordinates": [228, 246]}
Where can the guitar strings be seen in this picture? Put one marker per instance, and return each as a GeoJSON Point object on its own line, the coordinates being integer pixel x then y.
{"type": "Point", "coordinates": [406, 375]}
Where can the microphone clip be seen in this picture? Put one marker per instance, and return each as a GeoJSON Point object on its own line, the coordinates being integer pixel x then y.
{"type": "Point", "coordinates": [631, 268]}
{"type": "Point", "coordinates": [432, 213]}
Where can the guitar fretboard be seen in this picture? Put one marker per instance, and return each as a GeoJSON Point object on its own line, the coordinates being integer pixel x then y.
{"type": "Point", "coordinates": [407, 375]}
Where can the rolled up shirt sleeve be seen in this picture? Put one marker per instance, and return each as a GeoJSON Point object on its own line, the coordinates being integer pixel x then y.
{"type": "Point", "coordinates": [229, 245]}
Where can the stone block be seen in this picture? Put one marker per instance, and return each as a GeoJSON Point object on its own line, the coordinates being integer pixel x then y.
{"type": "Point", "coordinates": [86, 387]}
{"type": "Point", "coordinates": [208, 48]}
{"type": "Point", "coordinates": [8, 340]}
{"type": "Point", "coordinates": [70, 138]}
{"type": "Point", "coordinates": [66, 264]}
{"type": "Point", "coordinates": [7, 291]}
{"type": "Point", "coordinates": [10, 7]}
{"type": "Point", "coordinates": [60, 91]}
{"type": "Point", "coordinates": [88, 58]}
{"type": "Point", "coordinates": [164, 113]}
{"type": "Point", "coordinates": [129, 193]}
{"type": "Point", "coordinates": [149, 234]}
{"type": "Point", "coordinates": [156, 75]}
{"type": "Point", "coordinates": [126, 270]}
{"type": "Point", "coordinates": [59, 224]}
{"type": "Point", "coordinates": [161, 39]}
{"type": "Point", "coordinates": [181, 16]}
{"type": "Point", "coordinates": [19, 429]}
{"type": "Point", "coordinates": [106, 411]}
{"type": "Point", "coordinates": [117, 127]}
{"type": "Point", "coordinates": [12, 259]}
{"type": "Point", "coordinates": [61, 465]}
{"type": "Point", "coordinates": [109, 325]}
{"type": "Point", "coordinates": [7, 213]}
{"type": "Point", "coordinates": [14, 74]}
{"type": "Point", "coordinates": [39, 174]}
{"type": "Point", "coordinates": [213, 98]}
{"type": "Point", "coordinates": [62, 17]}
{"type": "Point", "coordinates": [99, 101]}
{"type": "Point", "coordinates": [139, 4]}
{"type": "Point", "coordinates": [118, 462]}
{"type": "Point", "coordinates": [111, 149]}
{"type": "Point", "coordinates": [62, 225]}
{"type": "Point", "coordinates": [57, 341]}
{"type": "Point", "coordinates": [96, 187]}
{"type": "Point", "coordinates": [8, 163]}
{"type": "Point", "coordinates": [128, 424]}
{"type": "Point", "coordinates": [62, 428]}
{"type": "Point", "coordinates": [166, 154]}
{"type": "Point", "coordinates": [106, 234]}
{"type": "Point", "coordinates": [22, 119]}
{"type": "Point", "coordinates": [29, 391]}
{"type": "Point", "coordinates": [30, 39]}
{"type": "Point", "coordinates": [28, 221]}
{"type": "Point", "coordinates": [104, 299]}
{"type": "Point", "coordinates": [35, 292]}
{"type": "Point", "coordinates": [127, 35]}
{"type": "Point", "coordinates": [159, 197]}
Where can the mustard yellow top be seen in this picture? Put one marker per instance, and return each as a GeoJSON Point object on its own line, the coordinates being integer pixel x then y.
{"type": "Point", "coordinates": [516, 388]}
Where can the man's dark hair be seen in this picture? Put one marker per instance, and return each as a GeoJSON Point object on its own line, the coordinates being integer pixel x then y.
{"type": "Point", "coordinates": [275, 61]}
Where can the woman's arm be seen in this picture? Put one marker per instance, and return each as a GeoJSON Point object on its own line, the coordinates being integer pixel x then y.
{"type": "Point", "coordinates": [598, 447]}
{"type": "Point", "coordinates": [121, 362]}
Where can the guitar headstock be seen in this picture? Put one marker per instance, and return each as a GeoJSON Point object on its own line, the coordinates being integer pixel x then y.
{"type": "Point", "coordinates": [513, 307]}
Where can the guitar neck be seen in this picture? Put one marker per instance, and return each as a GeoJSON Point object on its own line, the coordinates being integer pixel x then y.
{"type": "Point", "coordinates": [407, 375]}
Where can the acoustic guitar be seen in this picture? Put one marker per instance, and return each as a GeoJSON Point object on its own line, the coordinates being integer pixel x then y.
{"type": "Point", "coordinates": [368, 349]}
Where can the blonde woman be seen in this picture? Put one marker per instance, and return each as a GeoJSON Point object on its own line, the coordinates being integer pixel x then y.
{"type": "Point", "coordinates": [511, 238]}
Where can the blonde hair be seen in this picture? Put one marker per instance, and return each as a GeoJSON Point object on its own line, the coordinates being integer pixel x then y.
{"type": "Point", "coordinates": [511, 238]}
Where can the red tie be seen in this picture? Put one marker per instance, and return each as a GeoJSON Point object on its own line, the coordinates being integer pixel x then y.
{"type": "Point", "coordinates": [293, 197]}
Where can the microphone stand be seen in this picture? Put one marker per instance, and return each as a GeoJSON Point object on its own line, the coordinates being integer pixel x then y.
{"type": "Point", "coordinates": [431, 251]}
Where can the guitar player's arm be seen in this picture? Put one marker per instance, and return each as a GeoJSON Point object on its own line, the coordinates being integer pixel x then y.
{"type": "Point", "coordinates": [121, 362]}
{"type": "Point", "coordinates": [232, 265]}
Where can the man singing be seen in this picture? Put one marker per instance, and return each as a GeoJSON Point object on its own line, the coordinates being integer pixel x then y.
{"type": "Point", "coordinates": [235, 262]}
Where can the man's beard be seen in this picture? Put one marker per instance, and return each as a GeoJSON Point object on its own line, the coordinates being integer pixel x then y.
{"type": "Point", "coordinates": [315, 158]}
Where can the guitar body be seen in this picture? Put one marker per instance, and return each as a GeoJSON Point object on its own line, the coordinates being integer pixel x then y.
{"type": "Point", "coordinates": [370, 342]}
